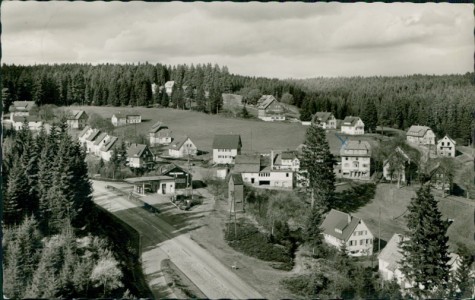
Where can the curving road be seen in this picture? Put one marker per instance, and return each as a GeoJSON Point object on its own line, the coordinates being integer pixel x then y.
{"type": "Point", "coordinates": [161, 240]}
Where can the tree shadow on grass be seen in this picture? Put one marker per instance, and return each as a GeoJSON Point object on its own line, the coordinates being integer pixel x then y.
{"type": "Point", "coordinates": [352, 199]}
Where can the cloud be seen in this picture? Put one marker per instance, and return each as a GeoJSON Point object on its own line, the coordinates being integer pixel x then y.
{"type": "Point", "coordinates": [272, 39]}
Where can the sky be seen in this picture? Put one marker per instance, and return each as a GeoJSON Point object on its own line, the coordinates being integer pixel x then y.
{"type": "Point", "coordinates": [281, 40]}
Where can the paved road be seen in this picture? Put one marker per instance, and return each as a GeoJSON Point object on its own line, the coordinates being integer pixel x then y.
{"type": "Point", "coordinates": [160, 240]}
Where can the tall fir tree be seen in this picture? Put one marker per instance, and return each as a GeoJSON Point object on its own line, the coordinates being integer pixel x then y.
{"type": "Point", "coordinates": [165, 101]}
{"type": "Point", "coordinates": [370, 115]}
{"type": "Point", "coordinates": [313, 231]}
{"type": "Point", "coordinates": [317, 167]}
{"type": "Point", "coordinates": [425, 252]}
{"type": "Point", "coordinates": [16, 197]}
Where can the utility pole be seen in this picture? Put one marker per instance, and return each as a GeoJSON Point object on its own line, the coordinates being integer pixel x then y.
{"type": "Point", "coordinates": [379, 231]}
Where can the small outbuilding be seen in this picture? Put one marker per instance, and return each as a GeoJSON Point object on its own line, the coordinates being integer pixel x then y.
{"type": "Point", "coordinates": [236, 193]}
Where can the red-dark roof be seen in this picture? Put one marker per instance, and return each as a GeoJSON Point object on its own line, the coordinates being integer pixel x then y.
{"type": "Point", "coordinates": [339, 220]}
{"type": "Point", "coordinates": [227, 141]}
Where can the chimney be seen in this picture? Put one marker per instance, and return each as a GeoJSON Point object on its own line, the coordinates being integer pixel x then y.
{"type": "Point", "coordinates": [349, 218]}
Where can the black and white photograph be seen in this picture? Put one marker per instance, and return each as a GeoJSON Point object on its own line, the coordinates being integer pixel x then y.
{"type": "Point", "coordinates": [237, 150]}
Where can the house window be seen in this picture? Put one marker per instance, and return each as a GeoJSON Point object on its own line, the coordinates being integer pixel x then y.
{"type": "Point", "coordinates": [361, 242]}
{"type": "Point", "coordinates": [286, 174]}
{"type": "Point", "coordinates": [442, 143]}
{"type": "Point", "coordinates": [351, 243]}
{"type": "Point", "coordinates": [346, 158]}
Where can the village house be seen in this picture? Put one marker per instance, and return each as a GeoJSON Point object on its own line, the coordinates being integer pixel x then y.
{"type": "Point", "coordinates": [171, 179]}
{"type": "Point", "coordinates": [446, 147]}
{"type": "Point", "coordinates": [326, 120]}
{"type": "Point", "coordinates": [352, 126]}
{"type": "Point", "coordinates": [258, 170]}
{"type": "Point", "coordinates": [269, 109]}
{"type": "Point", "coordinates": [77, 119]}
{"type": "Point", "coordinates": [182, 148]}
{"type": "Point", "coordinates": [83, 135]}
{"type": "Point", "coordinates": [390, 257]}
{"type": "Point", "coordinates": [440, 176]}
{"type": "Point", "coordinates": [340, 229]}
{"type": "Point", "coordinates": [421, 135]}
{"type": "Point", "coordinates": [225, 148]}
{"type": "Point", "coordinates": [120, 119]}
{"type": "Point", "coordinates": [159, 134]}
{"type": "Point", "coordinates": [109, 144]}
{"type": "Point", "coordinates": [285, 160]}
{"type": "Point", "coordinates": [139, 156]}
{"type": "Point", "coordinates": [235, 193]}
{"type": "Point", "coordinates": [34, 122]}
{"type": "Point", "coordinates": [99, 141]}
{"type": "Point", "coordinates": [90, 139]}
{"type": "Point", "coordinates": [169, 87]}
{"type": "Point", "coordinates": [390, 172]}
{"type": "Point", "coordinates": [21, 108]}
{"type": "Point", "coordinates": [356, 160]}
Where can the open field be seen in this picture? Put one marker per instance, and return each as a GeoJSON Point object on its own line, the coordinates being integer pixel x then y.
{"type": "Point", "coordinates": [393, 203]}
{"type": "Point", "coordinates": [257, 136]}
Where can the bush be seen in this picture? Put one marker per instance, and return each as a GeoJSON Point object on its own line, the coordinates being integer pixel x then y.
{"type": "Point", "coordinates": [251, 242]}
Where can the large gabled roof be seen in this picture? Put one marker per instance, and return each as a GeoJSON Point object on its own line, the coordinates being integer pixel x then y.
{"type": "Point", "coordinates": [321, 116]}
{"type": "Point", "coordinates": [84, 131]}
{"type": "Point", "coordinates": [22, 106]}
{"type": "Point", "coordinates": [100, 137]}
{"type": "Point", "coordinates": [227, 141]}
{"type": "Point", "coordinates": [76, 114]}
{"type": "Point", "coordinates": [157, 127]}
{"type": "Point", "coordinates": [112, 141]}
{"type": "Point", "coordinates": [178, 143]}
{"type": "Point", "coordinates": [350, 121]}
{"type": "Point", "coordinates": [417, 130]}
{"type": "Point", "coordinates": [356, 145]}
{"type": "Point", "coordinates": [136, 150]}
{"type": "Point", "coordinates": [265, 101]}
{"type": "Point", "coordinates": [247, 163]}
{"type": "Point", "coordinates": [93, 135]}
{"type": "Point", "coordinates": [391, 253]}
{"type": "Point", "coordinates": [21, 119]}
{"type": "Point", "coordinates": [339, 220]}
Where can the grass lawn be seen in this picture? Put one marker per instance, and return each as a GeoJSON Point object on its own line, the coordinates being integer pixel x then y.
{"type": "Point", "coordinates": [257, 136]}
{"type": "Point", "coordinates": [393, 203]}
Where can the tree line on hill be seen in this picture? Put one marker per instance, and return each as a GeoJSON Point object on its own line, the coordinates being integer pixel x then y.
{"type": "Point", "coordinates": [130, 84]}
{"type": "Point", "coordinates": [47, 211]}
{"type": "Point", "coordinates": [444, 103]}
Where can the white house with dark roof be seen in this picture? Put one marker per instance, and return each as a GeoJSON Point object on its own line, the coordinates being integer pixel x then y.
{"type": "Point", "coordinates": [121, 119]}
{"type": "Point", "coordinates": [356, 160]}
{"type": "Point", "coordinates": [182, 148]}
{"type": "Point", "coordinates": [392, 173]}
{"type": "Point", "coordinates": [21, 108]}
{"type": "Point", "coordinates": [99, 141]}
{"type": "Point", "coordinates": [285, 160]}
{"type": "Point", "coordinates": [226, 147]}
{"type": "Point", "coordinates": [352, 126]}
{"type": "Point", "coordinates": [90, 139]}
{"type": "Point", "coordinates": [421, 135]}
{"type": "Point", "coordinates": [258, 170]}
{"type": "Point", "coordinates": [139, 156]}
{"type": "Point", "coordinates": [340, 229]}
{"type": "Point", "coordinates": [34, 122]}
{"type": "Point", "coordinates": [77, 119]}
{"type": "Point", "coordinates": [446, 147]}
{"type": "Point", "coordinates": [84, 134]}
{"type": "Point", "coordinates": [269, 109]}
{"type": "Point", "coordinates": [390, 257]}
{"type": "Point", "coordinates": [160, 134]}
{"type": "Point", "coordinates": [326, 120]}
{"type": "Point", "coordinates": [108, 146]}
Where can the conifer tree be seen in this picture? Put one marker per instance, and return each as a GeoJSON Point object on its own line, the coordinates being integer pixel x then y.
{"type": "Point", "coordinates": [165, 102]}
{"type": "Point", "coordinates": [317, 167]}
{"type": "Point", "coordinates": [370, 115]}
{"type": "Point", "coordinates": [464, 282]}
{"type": "Point", "coordinates": [313, 231]}
{"type": "Point", "coordinates": [16, 196]}
{"type": "Point", "coordinates": [425, 252]}
{"type": "Point", "coordinates": [305, 113]}
{"type": "Point", "coordinates": [13, 287]}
